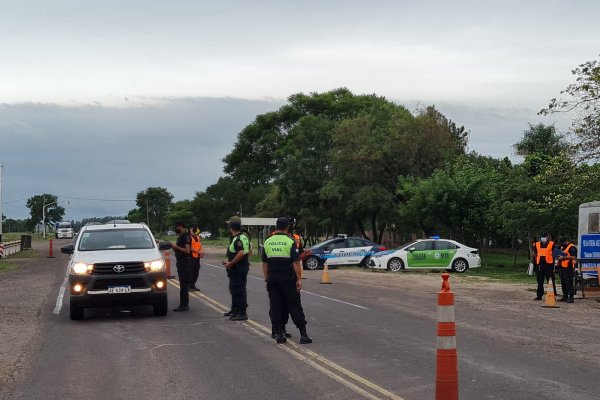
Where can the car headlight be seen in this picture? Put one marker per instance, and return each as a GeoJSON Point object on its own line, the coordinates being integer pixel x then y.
{"type": "Point", "coordinates": [155, 266]}
{"type": "Point", "coordinates": [82, 268]}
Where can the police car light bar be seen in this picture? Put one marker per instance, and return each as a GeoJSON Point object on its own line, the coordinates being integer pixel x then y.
{"type": "Point", "coordinates": [434, 237]}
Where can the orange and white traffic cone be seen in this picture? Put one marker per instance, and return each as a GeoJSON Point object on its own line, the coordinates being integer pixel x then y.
{"type": "Point", "coordinates": [167, 256]}
{"type": "Point", "coordinates": [325, 276]}
{"type": "Point", "coordinates": [446, 371]}
{"type": "Point", "coordinates": [550, 297]}
{"type": "Point", "coordinates": [51, 249]}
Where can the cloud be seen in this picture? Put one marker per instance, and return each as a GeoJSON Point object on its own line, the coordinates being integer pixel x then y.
{"type": "Point", "coordinates": [113, 153]}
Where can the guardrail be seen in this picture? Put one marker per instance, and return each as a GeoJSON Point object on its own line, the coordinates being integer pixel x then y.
{"type": "Point", "coordinates": [8, 248]}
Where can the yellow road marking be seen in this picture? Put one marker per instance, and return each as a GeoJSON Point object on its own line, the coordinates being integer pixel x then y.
{"type": "Point", "coordinates": [307, 356]}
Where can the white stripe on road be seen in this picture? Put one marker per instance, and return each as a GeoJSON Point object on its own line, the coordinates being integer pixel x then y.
{"type": "Point", "coordinates": [315, 360]}
{"type": "Point", "coordinates": [303, 291]}
{"type": "Point", "coordinates": [61, 293]}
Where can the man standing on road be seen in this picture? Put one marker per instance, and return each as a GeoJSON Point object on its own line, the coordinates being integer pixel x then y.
{"type": "Point", "coordinates": [567, 270]}
{"type": "Point", "coordinates": [281, 269]}
{"type": "Point", "coordinates": [182, 249]}
{"type": "Point", "coordinates": [237, 266]}
{"type": "Point", "coordinates": [543, 259]}
{"type": "Point", "coordinates": [196, 254]}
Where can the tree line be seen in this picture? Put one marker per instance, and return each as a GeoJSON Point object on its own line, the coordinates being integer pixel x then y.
{"type": "Point", "coordinates": [361, 164]}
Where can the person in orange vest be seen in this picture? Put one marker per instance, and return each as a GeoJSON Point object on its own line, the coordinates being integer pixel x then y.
{"type": "Point", "coordinates": [567, 269]}
{"type": "Point", "coordinates": [543, 260]}
{"type": "Point", "coordinates": [196, 254]}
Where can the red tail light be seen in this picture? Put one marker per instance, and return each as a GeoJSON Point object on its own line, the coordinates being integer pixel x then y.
{"type": "Point", "coordinates": [382, 248]}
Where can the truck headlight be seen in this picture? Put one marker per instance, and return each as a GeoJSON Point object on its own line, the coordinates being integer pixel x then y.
{"type": "Point", "coordinates": [82, 268]}
{"type": "Point", "coordinates": [155, 266]}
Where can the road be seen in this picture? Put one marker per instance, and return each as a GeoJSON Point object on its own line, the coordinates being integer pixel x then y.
{"type": "Point", "coordinates": [374, 337]}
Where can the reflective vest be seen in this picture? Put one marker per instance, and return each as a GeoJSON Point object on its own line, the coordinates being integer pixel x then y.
{"type": "Point", "coordinates": [545, 252]}
{"type": "Point", "coordinates": [196, 246]}
{"type": "Point", "coordinates": [296, 238]}
{"type": "Point", "coordinates": [279, 246]}
{"type": "Point", "coordinates": [566, 263]}
{"type": "Point", "coordinates": [245, 243]}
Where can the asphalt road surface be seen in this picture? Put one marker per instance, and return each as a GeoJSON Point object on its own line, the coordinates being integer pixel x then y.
{"type": "Point", "coordinates": [374, 337]}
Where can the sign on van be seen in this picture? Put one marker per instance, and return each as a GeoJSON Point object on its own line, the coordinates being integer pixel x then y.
{"type": "Point", "coordinates": [590, 248]}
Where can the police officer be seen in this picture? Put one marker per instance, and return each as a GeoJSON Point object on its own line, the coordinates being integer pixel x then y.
{"type": "Point", "coordinates": [543, 259]}
{"type": "Point", "coordinates": [196, 254]}
{"type": "Point", "coordinates": [567, 270]}
{"type": "Point", "coordinates": [182, 249]}
{"type": "Point", "coordinates": [281, 269]}
{"type": "Point", "coordinates": [237, 266]}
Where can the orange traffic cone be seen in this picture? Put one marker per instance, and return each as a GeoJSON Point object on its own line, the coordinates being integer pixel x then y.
{"type": "Point", "coordinates": [51, 249]}
{"type": "Point", "coordinates": [446, 371]}
{"type": "Point", "coordinates": [325, 277]}
{"type": "Point", "coordinates": [550, 297]}
{"type": "Point", "coordinates": [167, 256]}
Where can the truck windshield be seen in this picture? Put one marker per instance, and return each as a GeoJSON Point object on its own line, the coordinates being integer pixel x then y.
{"type": "Point", "coordinates": [115, 239]}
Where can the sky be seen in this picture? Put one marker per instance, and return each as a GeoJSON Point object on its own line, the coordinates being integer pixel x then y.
{"type": "Point", "coordinates": [101, 100]}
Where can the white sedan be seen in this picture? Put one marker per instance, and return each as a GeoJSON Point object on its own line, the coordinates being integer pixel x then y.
{"type": "Point", "coordinates": [428, 254]}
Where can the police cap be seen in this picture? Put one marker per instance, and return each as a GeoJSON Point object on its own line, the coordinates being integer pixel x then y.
{"type": "Point", "coordinates": [234, 222]}
{"type": "Point", "coordinates": [282, 223]}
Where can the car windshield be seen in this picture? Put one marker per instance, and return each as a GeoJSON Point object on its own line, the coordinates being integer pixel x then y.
{"type": "Point", "coordinates": [64, 225]}
{"type": "Point", "coordinates": [116, 239]}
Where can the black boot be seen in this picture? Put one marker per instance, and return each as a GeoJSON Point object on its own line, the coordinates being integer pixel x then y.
{"type": "Point", "coordinates": [239, 316]}
{"type": "Point", "coordinates": [564, 298]}
{"type": "Point", "coordinates": [229, 313]}
{"type": "Point", "coordinates": [570, 300]}
{"type": "Point", "coordinates": [279, 336]}
{"type": "Point", "coordinates": [304, 338]}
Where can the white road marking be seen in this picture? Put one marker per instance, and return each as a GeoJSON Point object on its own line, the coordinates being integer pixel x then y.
{"type": "Point", "coordinates": [303, 291]}
{"type": "Point", "coordinates": [61, 293]}
{"type": "Point", "coordinates": [315, 360]}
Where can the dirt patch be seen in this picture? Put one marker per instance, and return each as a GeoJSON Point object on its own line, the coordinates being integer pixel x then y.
{"type": "Point", "coordinates": [23, 290]}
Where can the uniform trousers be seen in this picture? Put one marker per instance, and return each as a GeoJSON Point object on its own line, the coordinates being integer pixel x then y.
{"type": "Point", "coordinates": [195, 271]}
{"type": "Point", "coordinates": [283, 297]}
{"type": "Point", "coordinates": [184, 272]}
{"type": "Point", "coordinates": [566, 281]}
{"type": "Point", "coordinates": [545, 272]}
{"type": "Point", "coordinates": [238, 276]}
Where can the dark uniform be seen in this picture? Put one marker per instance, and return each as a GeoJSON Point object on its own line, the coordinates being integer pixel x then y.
{"type": "Point", "coordinates": [184, 270]}
{"type": "Point", "coordinates": [543, 259]}
{"type": "Point", "coordinates": [280, 252]}
{"type": "Point", "coordinates": [238, 275]}
{"type": "Point", "coordinates": [567, 272]}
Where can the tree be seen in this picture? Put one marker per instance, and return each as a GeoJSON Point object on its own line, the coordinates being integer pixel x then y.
{"type": "Point", "coordinates": [153, 204]}
{"type": "Point", "coordinates": [181, 211]}
{"type": "Point", "coordinates": [541, 139]}
{"type": "Point", "coordinates": [583, 98]}
{"type": "Point", "coordinates": [36, 205]}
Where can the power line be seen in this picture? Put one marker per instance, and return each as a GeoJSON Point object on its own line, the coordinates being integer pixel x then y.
{"type": "Point", "coordinates": [89, 199]}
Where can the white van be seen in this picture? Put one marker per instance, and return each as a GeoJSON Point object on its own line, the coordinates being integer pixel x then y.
{"type": "Point", "coordinates": [65, 230]}
{"type": "Point", "coordinates": [589, 236]}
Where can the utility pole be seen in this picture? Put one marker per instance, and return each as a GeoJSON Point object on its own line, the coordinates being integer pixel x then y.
{"type": "Point", "coordinates": [147, 214]}
{"type": "Point", "coordinates": [1, 171]}
{"type": "Point", "coordinates": [44, 216]}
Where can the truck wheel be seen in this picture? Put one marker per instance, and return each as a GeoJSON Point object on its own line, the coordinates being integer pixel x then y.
{"type": "Point", "coordinates": [75, 312]}
{"type": "Point", "coordinates": [160, 309]}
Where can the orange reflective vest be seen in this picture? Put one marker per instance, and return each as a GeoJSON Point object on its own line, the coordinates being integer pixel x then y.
{"type": "Point", "coordinates": [196, 246]}
{"type": "Point", "coordinates": [566, 263]}
{"type": "Point", "coordinates": [545, 252]}
{"type": "Point", "coordinates": [296, 238]}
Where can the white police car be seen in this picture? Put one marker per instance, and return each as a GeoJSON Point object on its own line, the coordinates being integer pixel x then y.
{"type": "Point", "coordinates": [428, 254]}
{"type": "Point", "coordinates": [341, 250]}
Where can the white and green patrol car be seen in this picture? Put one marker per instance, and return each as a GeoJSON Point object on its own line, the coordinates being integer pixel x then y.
{"type": "Point", "coordinates": [428, 254]}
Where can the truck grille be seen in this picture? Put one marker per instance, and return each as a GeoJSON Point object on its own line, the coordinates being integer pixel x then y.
{"type": "Point", "coordinates": [107, 268]}
{"type": "Point", "coordinates": [135, 283]}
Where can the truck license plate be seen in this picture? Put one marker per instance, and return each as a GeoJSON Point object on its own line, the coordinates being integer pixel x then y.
{"type": "Point", "coordinates": [119, 289]}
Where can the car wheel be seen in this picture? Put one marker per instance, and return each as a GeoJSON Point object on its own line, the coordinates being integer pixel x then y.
{"type": "Point", "coordinates": [460, 265]}
{"type": "Point", "coordinates": [311, 263]}
{"type": "Point", "coordinates": [160, 309]}
{"type": "Point", "coordinates": [395, 264]}
{"type": "Point", "coordinates": [75, 312]}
